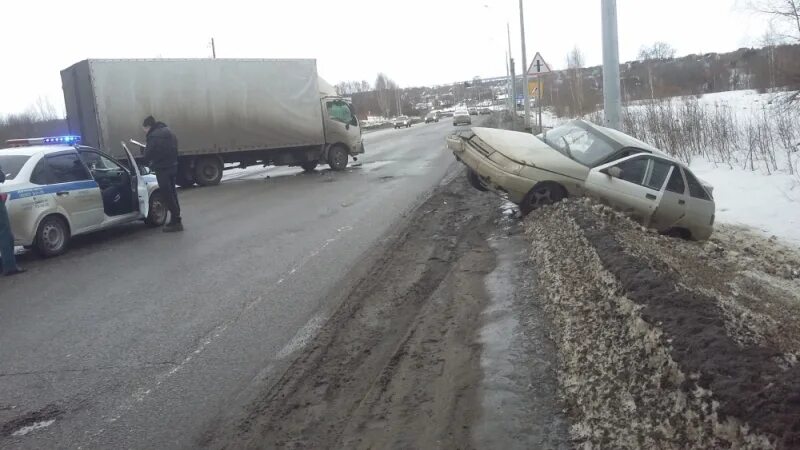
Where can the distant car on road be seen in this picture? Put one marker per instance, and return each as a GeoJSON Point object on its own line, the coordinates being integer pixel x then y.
{"type": "Point", "coordinates": [461, 116]}
{"type": "Point", "coordinates": [402, 122]}
{"type": "Point", "coordinates": [580, 158]}
{"type": "Point", "coordinates": [432, 116]}
{"type": "Point", "coordinates": [56, 189]}
{"type": "Point", "coordinates": [484, 111]}
{"type": "Point", "coordinates": [473, 111]}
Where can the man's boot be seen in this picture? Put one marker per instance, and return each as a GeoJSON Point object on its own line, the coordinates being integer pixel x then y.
{"type": "Point", "coordinates": [173, 226]}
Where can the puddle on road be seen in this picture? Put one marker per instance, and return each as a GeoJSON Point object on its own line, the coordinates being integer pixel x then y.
{"type": "Point", "coordinates": [518, 390]}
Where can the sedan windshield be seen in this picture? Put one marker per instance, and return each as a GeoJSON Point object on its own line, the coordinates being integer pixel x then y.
{"type": "Point", "coordinates": [579, 143]}
{"type": "Point", "coordinates": [12, 164]}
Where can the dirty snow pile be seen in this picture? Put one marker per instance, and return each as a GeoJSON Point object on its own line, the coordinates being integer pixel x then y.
{"type": "Point", "coordinates": [665, 343]}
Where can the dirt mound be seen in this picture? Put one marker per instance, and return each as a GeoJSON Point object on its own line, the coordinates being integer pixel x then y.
{"type": "Point", "coordinates": [667, 343]}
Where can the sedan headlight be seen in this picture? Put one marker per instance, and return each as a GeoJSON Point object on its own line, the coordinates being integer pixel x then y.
{"type": "Point", "coordinates": [507, 164]}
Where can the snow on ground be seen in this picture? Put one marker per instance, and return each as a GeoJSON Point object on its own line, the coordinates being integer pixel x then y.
{"type": "Point", "coordinates": [768, 203]}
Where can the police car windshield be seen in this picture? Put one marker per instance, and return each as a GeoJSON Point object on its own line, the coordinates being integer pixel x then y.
{"type": "Point", "coordinates": [12, 164]}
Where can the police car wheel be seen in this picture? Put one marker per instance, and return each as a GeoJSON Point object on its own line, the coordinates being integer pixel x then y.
{"type": "Point", "coordinates": [157, 212]}
{"type": "Point", "coordinates": [52, 236]}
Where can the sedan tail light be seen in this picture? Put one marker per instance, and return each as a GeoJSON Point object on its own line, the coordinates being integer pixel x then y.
{"type": "Point", "coordinates": [3, 197]}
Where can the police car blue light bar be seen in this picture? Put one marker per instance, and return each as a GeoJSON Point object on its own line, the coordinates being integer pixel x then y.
{"type": "Point", "coordinates": [50, 140]}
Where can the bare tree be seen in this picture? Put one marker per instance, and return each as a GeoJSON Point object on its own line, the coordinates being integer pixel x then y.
{"type": "Point", "coordinates": [782, 13]}
{"type": "Point", "coordinates": [387, 93]}
{"type": "Point", "coordinates": [575, 62]}
{"type": "Point", "coordinates": [659, 50]}
{"type": "Point", "coordinates": [785, 18]}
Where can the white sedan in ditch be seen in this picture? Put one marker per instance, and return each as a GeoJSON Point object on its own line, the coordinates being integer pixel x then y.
{"type": "Point", "coordinates": [580, 158]}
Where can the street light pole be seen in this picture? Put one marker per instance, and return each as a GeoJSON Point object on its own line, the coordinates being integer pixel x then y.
{"type": "Point", "coordinates": [612, 104]}
{"type": "Point", "coordinates": [524, 68]}
{"type": "Point", "coordinates": [511, 81]}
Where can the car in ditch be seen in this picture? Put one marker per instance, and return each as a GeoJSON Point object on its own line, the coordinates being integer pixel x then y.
{"type": "Point", "coordinates": [56, 189]}
{"type": "Point", "coordinates": [580, 158]}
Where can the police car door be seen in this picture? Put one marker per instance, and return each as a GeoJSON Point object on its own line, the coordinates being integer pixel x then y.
{"type": "Point", "coordinates": [76, 193]}
{"type": "Point", "coordinates": [141, 186]}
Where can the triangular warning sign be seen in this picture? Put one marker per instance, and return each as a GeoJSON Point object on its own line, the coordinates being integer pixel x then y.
{"type": "Point", "coordinates": [538, 66]}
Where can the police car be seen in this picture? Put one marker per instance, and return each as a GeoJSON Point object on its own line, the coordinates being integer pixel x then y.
{"type": "Point", "coordinates": [56, 188]}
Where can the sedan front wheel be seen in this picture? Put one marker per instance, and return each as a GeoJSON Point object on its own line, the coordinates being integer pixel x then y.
{"type": "Point", "coordinates": [542, 194]}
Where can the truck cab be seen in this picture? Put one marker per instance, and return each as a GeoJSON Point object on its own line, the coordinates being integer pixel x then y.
{"type": "Point", "coordinates": [342, 132]}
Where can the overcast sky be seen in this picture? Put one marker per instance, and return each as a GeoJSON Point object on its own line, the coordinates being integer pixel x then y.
{"type": "Point", "coordinates": [415, 42]}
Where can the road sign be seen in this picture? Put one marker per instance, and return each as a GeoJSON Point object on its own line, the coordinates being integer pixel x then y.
{"type": "Point", "coordinates": [538, 66]}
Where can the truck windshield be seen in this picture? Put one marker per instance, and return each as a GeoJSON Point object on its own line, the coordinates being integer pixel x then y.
{"type": "Point", "coordinates": [12, 164]}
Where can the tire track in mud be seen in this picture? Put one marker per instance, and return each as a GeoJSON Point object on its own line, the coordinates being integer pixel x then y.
{"type": "Point", "coordinates": [397, 365]}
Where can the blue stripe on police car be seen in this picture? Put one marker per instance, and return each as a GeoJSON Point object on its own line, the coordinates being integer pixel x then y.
{"type": "Point", "coordinates": [52, 188]}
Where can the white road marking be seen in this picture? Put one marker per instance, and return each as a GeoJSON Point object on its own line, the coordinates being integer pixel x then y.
{"type": "Point", "coordinates": [36, 426]}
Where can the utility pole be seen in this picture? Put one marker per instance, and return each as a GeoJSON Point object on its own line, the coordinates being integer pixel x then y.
{"type": "Point", "coordinates": [511, 77]}
{"type": "Point", "coordinates": [213, 49]}
{"type": "Point", "coordinates": [612, 104]}
{"type": "Point", "coordinates": [524, 68]}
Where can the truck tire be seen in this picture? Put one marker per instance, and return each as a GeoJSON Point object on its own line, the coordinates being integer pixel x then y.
{"type": "Point", "coordinates": [337, 157]}
{"type": "Point", "coordinates": [52, 236]}
{"type": "Point", "coordinates": [309, 166]}
{"type": "Point", "coordinates": [208, 171]}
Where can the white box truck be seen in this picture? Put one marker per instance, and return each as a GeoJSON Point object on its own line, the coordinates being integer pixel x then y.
{"type": "Point", "coordinates": [226, 112]}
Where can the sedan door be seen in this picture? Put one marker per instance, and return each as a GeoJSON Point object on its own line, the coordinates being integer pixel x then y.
{"type": "Point", "coordinates": [76, 193]}
{"type": "Point", "coordinates": [632, 185]}
{"type": "Point", "coordinates": [671, 211]}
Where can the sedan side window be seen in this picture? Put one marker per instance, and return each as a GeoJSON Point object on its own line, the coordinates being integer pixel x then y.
{"type": "Point", "coordinates": [64, 168]}
{"type": "Point", "coordinates": [40, 173]}
{"type": "Point", "coordinates": [657, 174]}
{"type": "Point", "coordinates": [696, 189]}
{"type": "Point", "coordinates": [676, 183]}
{"type": "Point", "coordinates": [633, 170]}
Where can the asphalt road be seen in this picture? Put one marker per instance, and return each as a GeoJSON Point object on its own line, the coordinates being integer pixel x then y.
{"type": "Point", "coordinates": [141, 339]}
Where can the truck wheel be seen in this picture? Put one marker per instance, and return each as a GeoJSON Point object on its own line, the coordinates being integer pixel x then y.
{"type": "Point", "coordinates": [309, 166]}
{"type": "Point", "coordinates": [157, 212]}
{"type": "Point", "coordinates": [52, 236]}
{"type": "Point", "coordinates": [337, 157]}
{"type": "Point", "coordinates": [208, 171]}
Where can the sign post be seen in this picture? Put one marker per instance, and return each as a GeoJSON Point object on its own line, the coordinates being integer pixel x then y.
{"type": "Point", "coordinates": [538, 68]}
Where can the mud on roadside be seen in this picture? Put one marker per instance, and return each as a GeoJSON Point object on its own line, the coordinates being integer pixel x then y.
{"type": "Point", "coordinates": [665, 343]}
{"type": "Point", "coordinates": [398, 364]}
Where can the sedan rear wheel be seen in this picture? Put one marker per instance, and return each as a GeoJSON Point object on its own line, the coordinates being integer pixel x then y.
{"type": "Point", "coordinates": [542, 194]}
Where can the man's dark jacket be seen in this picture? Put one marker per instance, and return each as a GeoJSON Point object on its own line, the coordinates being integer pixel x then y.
{"type": "Point", "coordinates": [161, 152]}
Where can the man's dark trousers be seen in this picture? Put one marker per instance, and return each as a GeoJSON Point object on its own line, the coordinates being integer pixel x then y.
{"type": "Point", "coordinates": [6, 241]}
{"type": "Point", "coordinates": [166, 181]}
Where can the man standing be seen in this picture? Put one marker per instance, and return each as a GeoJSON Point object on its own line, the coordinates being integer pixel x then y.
{"type": "Point", "coordinates": [161, 155]}
{"type": "Point", "coordinates": [10, 266]}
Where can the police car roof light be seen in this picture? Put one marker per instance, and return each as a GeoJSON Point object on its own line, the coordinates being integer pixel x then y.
{"type": "Point", "coordinates": [51, 140]}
